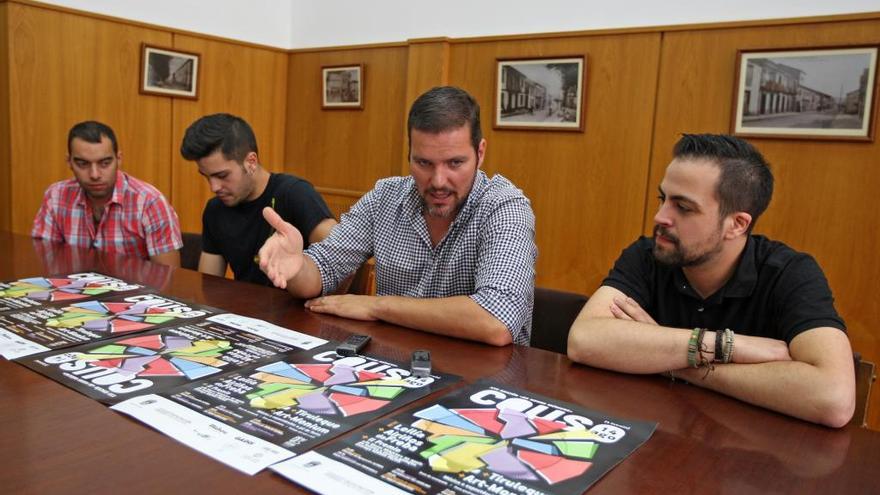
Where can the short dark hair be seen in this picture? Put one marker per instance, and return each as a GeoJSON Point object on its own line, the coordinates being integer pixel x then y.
{"type": "Point", "coordinates": [745, 183]}
{"type": "Point", "coordinates": [444, 108]}
{"type": "Point", "coordinates": [91, 131]}
{"type": "Point", "coordinates": [220, 131]}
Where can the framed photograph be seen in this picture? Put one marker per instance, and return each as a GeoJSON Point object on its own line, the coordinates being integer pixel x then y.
{"type": "Point", "coordinates": [169, 72]}
{"type": "Point", "coordinates": [543, 94]}
{"type": "Point", "coordinates": [825, 93]}
{"type": "Point", "coordinates": [342, 87]}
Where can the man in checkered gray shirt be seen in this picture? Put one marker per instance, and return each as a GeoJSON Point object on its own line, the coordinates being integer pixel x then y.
{"type": "Point", "coordinates": [455, 250]}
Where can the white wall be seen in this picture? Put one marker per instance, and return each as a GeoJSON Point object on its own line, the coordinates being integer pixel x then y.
{"type": "Point", "coordinates": [315, 23]}
{"type": "Point", "coordinates": [266, 22]}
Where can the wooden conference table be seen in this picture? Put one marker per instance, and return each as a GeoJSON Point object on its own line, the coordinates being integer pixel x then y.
{"type": "Point", "coordinates": [54, 440]}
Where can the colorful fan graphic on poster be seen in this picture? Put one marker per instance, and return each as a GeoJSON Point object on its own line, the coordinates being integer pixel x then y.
{"type": "Point", "coordinates": [162, 358]}
{"type": "Point", "coordinates": [325, 389]}
{"type": "Point", "coordinates": [113, 317]}
{"type": "Point", "coordinates": [36, 330]}
{"type": "Point", "coordinates": [505, 441]}
{"type": "Point", "coordinates": [483, 439]}
{"type": "Point", "coordinates": [160, 355]}
{"type": "Point", "coordinates": [35, 291]}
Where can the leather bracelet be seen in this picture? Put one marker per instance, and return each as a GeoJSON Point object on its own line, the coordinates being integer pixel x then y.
{"type": "Point", "coordinates": [719, 340]}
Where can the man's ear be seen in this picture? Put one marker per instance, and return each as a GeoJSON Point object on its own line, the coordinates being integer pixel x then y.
{"type": "Point", "coordinates": [738, 224]}
{"type": "Point", "coordinates": [251, 162]}
{"type": "Point", "coordinates": [118, 158]}
{"type": "Point", "coordinates": [481, 152]}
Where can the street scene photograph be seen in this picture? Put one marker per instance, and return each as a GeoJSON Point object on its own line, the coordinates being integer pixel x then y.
{"type": "Point", "coordinates": [819, 92]}
{"type": "Point", "coordinates": [540, 93]}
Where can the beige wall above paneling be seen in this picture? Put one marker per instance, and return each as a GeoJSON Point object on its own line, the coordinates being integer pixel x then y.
{"type": "Point", "coordinates": [346, 149]}
{"type": "Point", "coordinates": [245, 81]}
{"type": "Point", "coordinates": [67, 68]}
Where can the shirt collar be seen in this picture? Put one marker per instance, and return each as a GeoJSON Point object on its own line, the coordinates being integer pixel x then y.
{"type": "Point", "coordinates": [119, 189]}
{"type": "Point", "coordinates": [741, 284]}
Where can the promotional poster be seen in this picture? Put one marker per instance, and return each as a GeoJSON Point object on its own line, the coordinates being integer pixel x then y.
{"type": "Point", "coordinates": [482, 439]}
{"type": "Point", "coordinates": [158, 360]}
{"type": "Point", "coordinates": [38, 291]}
{"type": "Point", "coordinates": [294, 403]}
{"type": "Point", "coordinates": [23, 333]}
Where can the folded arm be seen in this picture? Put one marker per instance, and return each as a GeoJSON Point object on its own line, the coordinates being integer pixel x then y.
{"type": "Point", "coordinates": [613, 332]}
{"type": "Point", "coordinates": [817, 385]}
{"type": "Point", "coordinates": [812, 379]}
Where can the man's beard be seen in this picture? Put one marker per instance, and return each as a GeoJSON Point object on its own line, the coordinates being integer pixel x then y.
{"type": "Point", "coordinates": [441, 211]}
{"type": "Point", "coordinates": [678, 257]}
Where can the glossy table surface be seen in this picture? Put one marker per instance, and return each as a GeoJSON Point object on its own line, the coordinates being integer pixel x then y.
{"type": "Point", "coordinates": [54, 440]}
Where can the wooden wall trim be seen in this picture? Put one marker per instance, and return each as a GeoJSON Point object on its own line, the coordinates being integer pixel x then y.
{"type": "Point", "coordinates": [5, 127]}
{"type": "Point", "coordinates": [130, 22]}
{"type": "Point", "coordinates": [365, 46]}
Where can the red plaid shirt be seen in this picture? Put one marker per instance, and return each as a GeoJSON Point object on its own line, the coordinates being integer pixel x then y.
{"type": "Point", "coordinates": [137, 220]}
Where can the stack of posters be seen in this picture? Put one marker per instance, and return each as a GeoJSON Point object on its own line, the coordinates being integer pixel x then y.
{"type": "Point", "coordinates": [156, 360]}
{"type": "Point", "coordinates": [482, 439]}
{"type": "Point", "coordinates": [257, 416]}
{"type": "Point", "coordinates": [40, 291]}
{"type": "Point", "coordinates": [41, 329]}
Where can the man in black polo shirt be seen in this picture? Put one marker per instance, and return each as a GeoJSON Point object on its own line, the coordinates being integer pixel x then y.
{"type": "Point", "coordinates": [233, 229]}
{"type": "Point", "coordinates": [738, 313]}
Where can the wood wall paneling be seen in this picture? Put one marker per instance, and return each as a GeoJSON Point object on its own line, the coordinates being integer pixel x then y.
{"type": "Point", "coordinates": [5, 154]}
{"type": "Point", "coordinates": [587, 189]}
{"type": "Point", "coordinates": [346, 149]}
{"type": "Point", "coordinates": [427, 66]}
{"type": "Point", "coordinates": [825, 198]}
{"type": "Point", "coordinates": [68, 68]}
{"type": "Point", "coordinates": [246, 81]}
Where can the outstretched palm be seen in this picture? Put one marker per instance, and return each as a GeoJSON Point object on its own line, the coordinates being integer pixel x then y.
{"type": "Point", "coordinates": [281, 255]}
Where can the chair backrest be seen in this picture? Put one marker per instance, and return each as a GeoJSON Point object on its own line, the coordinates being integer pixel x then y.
{"type": "Point", "coordinates": [553, 314]}
{"type": "Point", "coordinates": [864, 379]}
{"type": "Point", "coordinates": [192, 250]}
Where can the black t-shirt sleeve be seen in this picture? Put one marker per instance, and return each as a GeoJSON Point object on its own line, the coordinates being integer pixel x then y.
{"type": "Point", "coordinates": [303, 207]}
{"type": "Point", "coordinates": [632, 273]}
{"type": "Point", "coordinates": [209, 243]}
{"type": "Point", "coordinates": [804, 300]}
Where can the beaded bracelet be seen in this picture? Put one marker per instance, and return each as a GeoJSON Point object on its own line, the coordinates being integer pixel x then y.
{"type": "Point", "coordinates": [693, 346]}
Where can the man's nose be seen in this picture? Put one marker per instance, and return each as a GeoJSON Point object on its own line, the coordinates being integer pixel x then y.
{"type": "Point", "coordinates": [214, 184]}
{"type": "Point", "coordinates": [662, 216]}
{"type": "Point", "coordinates": [94, 172]}
{"type": "Point", "coordinates": [438, 177]}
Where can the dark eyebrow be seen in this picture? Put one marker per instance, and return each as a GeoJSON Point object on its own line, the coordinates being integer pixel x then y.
{"type": "Point", "coordinates": [682, 198]}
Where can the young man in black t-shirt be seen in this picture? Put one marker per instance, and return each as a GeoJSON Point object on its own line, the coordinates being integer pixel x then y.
{"type": "Point", "coordinates": [233, 229]}
{"type": "Point", "coordinates": [708, 302]}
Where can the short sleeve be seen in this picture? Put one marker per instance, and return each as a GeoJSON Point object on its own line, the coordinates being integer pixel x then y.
{"type": "Point", "coordinates": [632, 272]}
{"type": "Point", "coordinates": [45, 225]}
{"type": "Point", "coordinates": [161, 227]}
{"type": "Point", "coordinates": [349, 245]}
{"type": "Point", "coordinates": [504, 282]}
{"type": "Point", "coordinates": [303, 207]}
{"type": "Point", "coordinates": [803, 299]}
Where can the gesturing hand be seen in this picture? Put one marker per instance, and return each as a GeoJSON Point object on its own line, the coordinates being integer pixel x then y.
{"type": "Point", "coordinates": [628, 309]}
{"type": "Point", "coordinates": [281, 255]}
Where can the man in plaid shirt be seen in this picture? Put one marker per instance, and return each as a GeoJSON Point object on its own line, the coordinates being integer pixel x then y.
{"type": "Point", "coordinates": [105, 208]}
{"type": "Point", "coordinates": [455, 250]}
